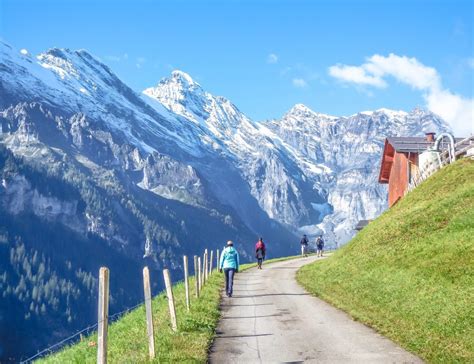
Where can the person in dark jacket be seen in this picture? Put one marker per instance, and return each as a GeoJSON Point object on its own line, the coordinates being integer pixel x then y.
{"type": "Point", "coordinates": [304, 245]}
{"type": "Point", "coordinates": [229, 262]}
{"type": "Point", "coordinates": [319, 246]}
{"type": "Point", "coordinates": [260, 251]}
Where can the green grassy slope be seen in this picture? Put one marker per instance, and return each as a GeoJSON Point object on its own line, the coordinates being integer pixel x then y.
{"type": "Point", "coordinates": [410, 273]}
{"type": "Point", "coordinates": [127, 339]}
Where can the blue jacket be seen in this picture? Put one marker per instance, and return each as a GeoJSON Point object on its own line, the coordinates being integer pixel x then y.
{"type": "Point", "coordinates": [229, 258]}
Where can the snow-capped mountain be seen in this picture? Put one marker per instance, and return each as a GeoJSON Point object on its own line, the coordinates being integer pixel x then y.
{"type": "Point", "coordinates": [270, 167]}
{"type": "Point", "coordinates": [313, 172]}
{"type": "Point", "coordinates": [290, 167]}
{"type": "Point", "coordinates": [137, 178]}
{"type": "Point", "coordinates": [350, 148]}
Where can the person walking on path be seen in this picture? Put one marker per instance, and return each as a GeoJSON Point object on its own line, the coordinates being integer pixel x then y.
{"type": "Point", "coordinates": [304, 245]}
{"type": "Point", "coordinates": [260, 252]}
{"type": "Point", "coordinates": [229, 262]}
{"type": "Point", "coordinates": [319, 246]}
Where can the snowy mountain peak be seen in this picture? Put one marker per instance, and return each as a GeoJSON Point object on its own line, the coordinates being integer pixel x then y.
{"type": "Point", "coordinates": [174, 88]}
{"type": "Point", "coordinates": [183, 78]}
{"type": "Point", "coordinates": [178, 83]}
{"type": "Point", "coordinates": [301, 111]}
{"type": "Point", "coordinates": [63, 53]}
{"type": "Point", "coordinates": [298, 108]}
{"type": "Point", "coordinates": [419, 111]}
{"type": "Point", "coordinates": [180, 94]}
{"type": "Point", "coordinates": [59, 61]}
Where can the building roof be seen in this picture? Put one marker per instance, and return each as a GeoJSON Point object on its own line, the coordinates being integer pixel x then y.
{"type": "Point", "coordinates": [409, 144]}
{"type": "Point", "coordinates": [413, 145]}
{"type": "Point", "coordinates": [362, 224]}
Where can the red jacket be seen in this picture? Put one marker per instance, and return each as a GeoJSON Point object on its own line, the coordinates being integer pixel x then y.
{"type": "Point", "coordinates": [260, 245]}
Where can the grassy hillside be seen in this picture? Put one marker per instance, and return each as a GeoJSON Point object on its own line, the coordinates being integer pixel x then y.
{"type": "Point", "coordinates": [127, 341]}
{"type": "Point", "coordinates": [410, 273]}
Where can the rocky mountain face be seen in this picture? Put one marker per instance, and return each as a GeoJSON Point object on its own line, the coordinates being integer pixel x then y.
{"type": "Point", "coordinates": [350, 148]}
{"type": "Point", "coordinates": [94, 173]}
{"type": "Point", "coordinates": [271, 169]}
{"type": "Point", "coordinates": [312, 172]}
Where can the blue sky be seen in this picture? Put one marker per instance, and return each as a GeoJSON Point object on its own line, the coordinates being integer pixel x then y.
{"type": "Point", "coordinates": [266, 56]}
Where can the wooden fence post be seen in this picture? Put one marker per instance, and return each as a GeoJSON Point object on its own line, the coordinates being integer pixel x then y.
{"type": "Point", "coordinates": [207, 264]}
{"type": "Point", "coordinates": [169, 293]}
{"type": "Point", "coordinates": [103, 315]}
{"type": "Point", "coordinates": [211, 259]}
{"type": "Point", "coordinates": [149, 316]}
{"type": "Point", "coordinates": [196, 275]}
{"type": "Point", "coordinates": [217, 259]}
{"type": "Point", "coordinates": [199, 277]}
{"type": "Point", "coordinates": [186, 280]}
{"type": "Point", "coordinates": [203, 269]}
{"type": "Point", "coordinates": [203, 273]}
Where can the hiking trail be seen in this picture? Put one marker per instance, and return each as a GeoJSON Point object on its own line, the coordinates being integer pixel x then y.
{"type": "Point", "coordinates": [272, 319]}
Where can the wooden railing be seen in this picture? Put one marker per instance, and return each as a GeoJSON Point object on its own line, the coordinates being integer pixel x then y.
{"type": "Point", "coordinates": [445, 158]}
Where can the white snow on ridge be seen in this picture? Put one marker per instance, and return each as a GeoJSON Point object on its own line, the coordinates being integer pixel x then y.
{"type": "Point", "coordinates": [389, 112]}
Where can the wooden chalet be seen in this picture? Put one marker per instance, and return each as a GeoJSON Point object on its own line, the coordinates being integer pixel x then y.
{"type": "Point", "coordinates": [400, 161]}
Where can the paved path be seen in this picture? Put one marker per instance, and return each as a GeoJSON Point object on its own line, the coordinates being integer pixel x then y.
{"type": "Point", "coordinates": [271, 319]}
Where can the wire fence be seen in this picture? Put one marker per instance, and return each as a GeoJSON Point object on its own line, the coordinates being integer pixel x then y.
{"type": "Point", "coordinates": [73, 338]}
{"type": "Point", "coordinates": [111, 318]}
{"type": "Point", "coordinates": [90, 329]}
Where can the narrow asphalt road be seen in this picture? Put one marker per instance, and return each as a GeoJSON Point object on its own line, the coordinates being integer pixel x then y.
{"type": "Point", "coordinates": [271, 319]}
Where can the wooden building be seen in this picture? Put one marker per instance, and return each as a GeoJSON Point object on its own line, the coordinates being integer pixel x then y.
{"type": "Point", "coordinates": [400, 162]}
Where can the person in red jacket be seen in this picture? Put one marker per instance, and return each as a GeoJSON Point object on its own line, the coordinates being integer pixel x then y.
{"type": "Point", "coordinates": [260, 252]}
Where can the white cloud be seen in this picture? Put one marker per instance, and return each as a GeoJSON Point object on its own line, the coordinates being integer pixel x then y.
{"type": "Point", "coordinates": [356, 75]}
{"type": "Point", "coordinates": [455, 109]}
{"type": "Point", "coordinates": [404, 69]}
{"type": "Point", "coordinates": [272, 58]}
{"type": "Point", "coordinates": [299, 82]}
{"type": "Point", "coordinates": [24, 51]}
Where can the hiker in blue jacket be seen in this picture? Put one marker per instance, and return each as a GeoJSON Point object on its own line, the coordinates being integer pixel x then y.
{"type": "Point", "coordinates": [229, 262]}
